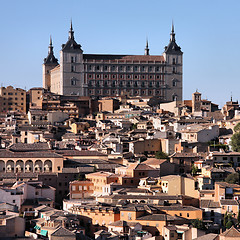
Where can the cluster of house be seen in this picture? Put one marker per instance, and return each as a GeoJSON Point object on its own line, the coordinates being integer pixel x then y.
{"type": "Point", "coordinates": [118, 168]}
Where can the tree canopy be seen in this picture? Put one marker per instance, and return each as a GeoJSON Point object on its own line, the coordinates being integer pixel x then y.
{"type": "Point", "coordinates": [161, 155]}
{"type": "Point", "coordinates": [237, 128]}
{"type": "Point", "coordinates": [235, 142]}
{"type": "Point", "coordinates": [232, 178]}
{"type": "Point", "coordinates": [197, 223]}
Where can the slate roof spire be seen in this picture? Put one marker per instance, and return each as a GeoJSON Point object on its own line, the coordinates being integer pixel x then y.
{"type": "Point", "coordinates": [71, 32]}
{"type": "Point", "coordinates": [172, 34]}
{"type": "Point", "coordinates": [50, 59]}
{"type": "Point", "coordinates": [146, 48]}
{"type": "Point", "coordinates": [50, 47]}
{"type": "Point", "coordinates": [172, 47]}
{"type": "Point", "coordinates": [71, 44]}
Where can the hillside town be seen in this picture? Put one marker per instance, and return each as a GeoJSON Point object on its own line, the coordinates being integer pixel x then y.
{"type": "Point", "coordinates": [117, 167]}
{"type": "Point", "coordinates": [108, 149]}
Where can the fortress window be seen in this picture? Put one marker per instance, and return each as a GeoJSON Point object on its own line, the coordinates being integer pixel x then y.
{"type": "Point", "coordinates": [174, 61]}
{"type": "Point", "coordinates": [73, 82]}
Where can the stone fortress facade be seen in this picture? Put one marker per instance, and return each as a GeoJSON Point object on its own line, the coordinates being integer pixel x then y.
{"type": "Point", "coordinates": [114, 75]}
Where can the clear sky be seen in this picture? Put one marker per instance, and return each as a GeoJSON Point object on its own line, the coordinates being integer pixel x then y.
{"type": "Point", "coordinates": [208, 32]}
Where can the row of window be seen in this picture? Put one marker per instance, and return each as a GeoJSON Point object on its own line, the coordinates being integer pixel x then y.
{"type": "Point", "coordinates": [10, 103]}
{"type": "Point", "coordinates": [125, 68]}
{"type": "Point", "coordinates": [99, 76]}
{"type": "Point", "coordinates": [78, 188]}
{"type": "Point", "coordinates": [11, 98]}
{"type": "Point", "coordinates": [143, 92]}
{"type": "Point", "coordinates": [123, 83]}
{"type": "Point", "coordinates": [11, 93]}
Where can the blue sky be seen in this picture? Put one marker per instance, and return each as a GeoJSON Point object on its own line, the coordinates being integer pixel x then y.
{"type": "Point", "coordinates": [207, 31]}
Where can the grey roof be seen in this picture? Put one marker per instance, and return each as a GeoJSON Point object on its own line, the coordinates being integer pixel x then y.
{"type": "Point", "coordinates": [160, 197]}
{"type": "Point", "coordinates": [71, 44]}
{"type": "Point", "coordinates": [228, 202]}
{"type": "Point", "coordinates": [172, 47]}
{"type": "Point", "coordinates": [80, 153]}
{"type": "Point", "coordinates": [50, 59]}
{"type": "Point", "coordinates": [38, 154]}
{"type": "Point", "coordinates": [179, 208]}
{"type": "Point", "coordinates": [210, 236]}
{"type": "Point", "coordinates": [38, 146]}
{"type": "Point", "coordinates": [157, 217]}
{"type": "Point", "coordinates": [62, 232]}
{"type": "Point", "coordinates": [209, 204]}
{"type": "Point", "coordinates": [122, 223]}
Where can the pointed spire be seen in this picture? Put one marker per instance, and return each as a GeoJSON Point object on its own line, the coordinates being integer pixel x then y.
{"type": "Point", "coordinates": [172, 27]}
{"type": "Point", "coordinates": [50, 58]}
{"type": "Point", "coordinates": [71, 32]}
{"type": "Point", "coordinates": [50, 47]}
{"type": "Point", "coordinates": [172, 39]}
{"type": "Point", "coordinates": [146, 48]}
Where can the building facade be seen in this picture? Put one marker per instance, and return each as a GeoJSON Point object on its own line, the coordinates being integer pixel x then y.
{"type": "Point", "coordinates": [12, 99]}
{"type": "Point", "coordinates": [114, 75]}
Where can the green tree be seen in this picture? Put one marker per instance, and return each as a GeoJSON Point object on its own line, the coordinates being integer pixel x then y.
{"type": "Point", "coordinates": [225, 219]}
{"type": "Point", "coordinates": [197, 223]}
{"type": "Point", "coordinates": [134, 126]}
{"type": "Point", "coordinates": [194, 169]}
{"type": "Point", "coordinates": [237, 128]}
{"type": "Point", "coordinates": [232, 178]}
{"type": "Point", "coordinates": [229, 222]}
{"type": "Point", "coordinates": [235, 142]}
{"type": "Point", "coordinates": [161, 155]}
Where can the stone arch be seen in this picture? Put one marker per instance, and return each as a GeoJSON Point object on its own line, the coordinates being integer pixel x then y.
{"type": "Point", "coordinates": [10, 166]}
{"type": "Point", "coordinates": [19, 167]}
{"type": "Point", "coordinates": [2, 166]}
{"type": "Point", "coordinates": [38, 166]}
{"type": "Point", "coordinates": [29, 166]}
{"type": "Point", "coordinates": [48, 166]}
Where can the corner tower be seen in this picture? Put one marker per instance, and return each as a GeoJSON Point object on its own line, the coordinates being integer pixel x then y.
{"type": "Point", "coordinates": [71, 67]}
{"type": "Point", "coordinates": [49, 63]}
{"type": "Point", "coordinates": [173, 70]}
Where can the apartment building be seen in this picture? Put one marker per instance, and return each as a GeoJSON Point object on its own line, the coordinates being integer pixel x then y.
{"type": "Point", "coordinates": [13, 99]}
